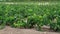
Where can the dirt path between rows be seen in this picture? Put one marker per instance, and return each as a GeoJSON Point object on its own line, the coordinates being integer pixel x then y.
{"type": "Point", "coordinates": [9, 30]}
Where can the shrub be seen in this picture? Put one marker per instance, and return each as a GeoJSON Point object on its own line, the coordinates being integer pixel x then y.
{"type": "Point", "coordinates": [35, 21]}
{"type": "Point", "coordinates": [19, 24]}
{"type": "Point", "coordinates": [56, 25]}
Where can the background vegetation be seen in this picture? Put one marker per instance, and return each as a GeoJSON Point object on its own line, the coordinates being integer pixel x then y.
{"type": "Point", "coordinates": [26, 0]}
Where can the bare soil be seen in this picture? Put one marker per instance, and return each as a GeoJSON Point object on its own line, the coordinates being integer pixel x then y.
{"type": "Point", "coordinates": [9, 30]}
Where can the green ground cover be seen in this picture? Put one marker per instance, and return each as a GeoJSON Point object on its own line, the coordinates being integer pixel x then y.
{"type": "Point", "coordinates": [30, 15]}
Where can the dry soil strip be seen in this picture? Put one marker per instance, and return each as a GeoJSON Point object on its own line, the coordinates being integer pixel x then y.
{"type": "Point", "coordinates": [9, 30]}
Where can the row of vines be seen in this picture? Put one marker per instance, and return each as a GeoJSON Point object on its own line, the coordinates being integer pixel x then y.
{"type": "Point", "coordinates": [30, 16]}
